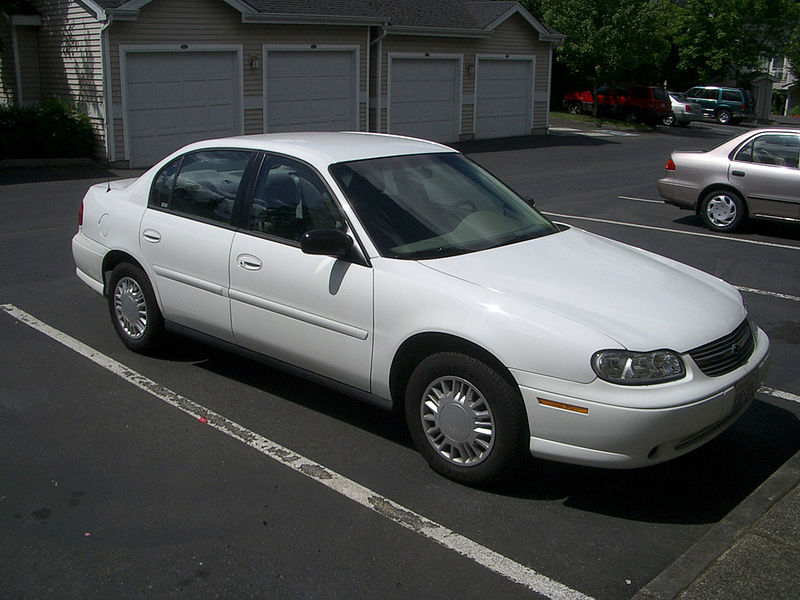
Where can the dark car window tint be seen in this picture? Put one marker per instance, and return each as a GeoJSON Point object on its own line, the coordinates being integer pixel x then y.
{"type": "Point", "coordinates": [782, 150]}
{"type": "Point", "coordinates": [731, 96]}
{"type": "Point", "coordinates": [206, 184]}
{"type": "Point", "coordinates": [291, 199]}
{"type": "Point", "coordinates": [162, 185]}
{"type": "Point", "coordinates": [708, 94]}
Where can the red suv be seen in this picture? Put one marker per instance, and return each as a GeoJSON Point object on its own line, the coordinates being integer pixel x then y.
{"type": "Point", "coordinates": [646, 103]}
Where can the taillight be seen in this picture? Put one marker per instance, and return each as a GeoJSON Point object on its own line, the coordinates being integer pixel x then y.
{"type": "Point", "coordinates": [670, 166]}
{"type": "Point", "coordinates": [744, 106]}
{"type": "Point", "coordinates": [688, 108]}
{"type": "Point", "coordinates": [80, 215]}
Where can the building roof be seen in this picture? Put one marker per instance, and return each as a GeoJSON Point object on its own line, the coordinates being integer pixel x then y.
{"type": "Point", "coordinates": [454, 16]}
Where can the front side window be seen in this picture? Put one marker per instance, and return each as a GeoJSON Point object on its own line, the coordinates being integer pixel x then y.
{"type": "Point", "coordinates": [434, 205]}
{"type": "Point", "coordinates": [731, 96]}
{"type": "Point", "coordinates": [201, 184]}
{"type": "Point", "coordinates": [290, 199]}
{"type": "Point", "coordinates": [777, 149]}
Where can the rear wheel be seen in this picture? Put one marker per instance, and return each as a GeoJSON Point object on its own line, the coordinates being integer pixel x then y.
{"type": "Point", "coordinates": [574, 108]}
{"type": "Point", "coordinates": [133, 308]}
{"type": "Point", "coordinates": [466, 420]}
{"type": "Point", "coordinates": [669, 120]}
{"type": "Point", "coordinates": [724, 117]}
{"type": "Point", "coordinates": [723, 210]}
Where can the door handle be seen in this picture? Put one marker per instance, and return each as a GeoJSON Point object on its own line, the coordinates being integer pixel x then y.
{"type": "Point", "coordinates": [737, 173]}
{"type": "Point", "coordinates": [249, 262]}
{"type": "Point", "coordinates": [151, 235]}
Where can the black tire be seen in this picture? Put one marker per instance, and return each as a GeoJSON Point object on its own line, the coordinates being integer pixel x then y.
{"type": "Point", "coordinates": [574, 108]}
{"type": "Point", "coordinates": [724, 117]}
{"type": "Point", "coordinates": [723, 210]}
{"type": "Point", "coordinates": [133, 308]}
{"type": "Point", "coordinates": [669, 120]}
{"type": "Point", "coordinates": [479, 442]}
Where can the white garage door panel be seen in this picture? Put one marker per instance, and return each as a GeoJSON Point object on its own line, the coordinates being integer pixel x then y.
{"type": "Point", "coordinates": [504, 98]}
{"type": "Point", "coordinates": [424, 100]}
{"type": "Point", "coordinates": [173, 98]}
{"type": "Point", "coordinates": [311, 90]}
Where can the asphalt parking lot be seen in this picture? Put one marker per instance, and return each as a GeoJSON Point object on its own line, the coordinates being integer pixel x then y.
{"type": "Point", "coordinates": [198, 474]}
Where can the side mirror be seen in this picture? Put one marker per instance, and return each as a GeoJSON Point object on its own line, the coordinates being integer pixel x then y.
{"type": "Point", "coordinates": [327, 242]}
{"type": "Point", "coordinates": [530, 201]}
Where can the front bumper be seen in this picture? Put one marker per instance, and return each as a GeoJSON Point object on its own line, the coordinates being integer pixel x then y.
{"type": "Point", "coordinates": [627, 433]}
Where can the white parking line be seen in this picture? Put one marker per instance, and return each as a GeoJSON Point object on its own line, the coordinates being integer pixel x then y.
{"type": "Point", "coordinates": [779, 394]}
{"type": "Point", "coordinates": [506, 567]}
{"type": "Point", "coordinates": [693, 233]}
{"type": "Point", "coordinates": [641, 199]}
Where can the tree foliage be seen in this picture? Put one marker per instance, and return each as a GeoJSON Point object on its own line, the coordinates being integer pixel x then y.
{"type": "Point", "coordinates": [684, 42]}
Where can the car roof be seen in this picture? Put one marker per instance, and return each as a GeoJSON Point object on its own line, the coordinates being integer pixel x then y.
{"type": "Point", "coordinates": [324, 148]}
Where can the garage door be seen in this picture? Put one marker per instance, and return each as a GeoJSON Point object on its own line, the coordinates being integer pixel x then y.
{"type": "Point", "coordinates": [311, 90]}
{"type": "Point", "coordinates": [503, 97]}
{"type": "Point", "coordinates": [173, 98]}
{"type": "Point", "coordinates": [424, 98]}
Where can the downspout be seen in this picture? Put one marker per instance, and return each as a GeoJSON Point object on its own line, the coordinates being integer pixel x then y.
{"type": "Point", "coordinates": [549, 88]}
{"type": "Point", "coordinates": [379, 82]}
{"type": "Point", "coordinates": [17, 66]}
{"type": "Point", "coordinates": [105, 61]}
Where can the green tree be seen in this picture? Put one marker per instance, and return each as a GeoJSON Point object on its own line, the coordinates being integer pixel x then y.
{"type": "Point", "coordinates": [608, 40]}
{"type": "Point", "coordinates": [716, 40]}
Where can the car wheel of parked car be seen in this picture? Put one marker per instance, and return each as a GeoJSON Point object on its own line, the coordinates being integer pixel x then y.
{"type": "Point", "coordinates": [669, 120]}
{"type": "Point", "coordinates": [466, 419]}
{"type": "Point", "coordinates": [723, 210]}
{"type": "Point", "coordinates": [133, 307]}
{"type": "Point", "coordinates": [724, 117]}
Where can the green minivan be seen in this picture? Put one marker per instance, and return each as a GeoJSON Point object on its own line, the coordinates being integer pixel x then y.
{"type": "Point", "coordinates": [723, 104]}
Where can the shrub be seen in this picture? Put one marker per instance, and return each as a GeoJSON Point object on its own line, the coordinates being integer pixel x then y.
{"type": "Point", "coordinates": [52, 129]}
{"type": "Point", "coordinates": [795, 111]}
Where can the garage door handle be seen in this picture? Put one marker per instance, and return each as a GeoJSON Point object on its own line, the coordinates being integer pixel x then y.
{"type": "Point", "coordinates": [737, 173]}
{"type": "Point", "coordinates": [151, 235]}
{"type": "Point", "coordinates": [246, 261]}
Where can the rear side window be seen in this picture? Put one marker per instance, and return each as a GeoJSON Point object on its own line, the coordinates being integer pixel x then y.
{"type": "Point", "coordinates": [202, 184]}
{"type": "Point", "coordinates": [781, 150]}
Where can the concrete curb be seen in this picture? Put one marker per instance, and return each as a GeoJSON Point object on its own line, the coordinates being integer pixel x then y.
{"type": "Point", "coordinates": [697, 560]}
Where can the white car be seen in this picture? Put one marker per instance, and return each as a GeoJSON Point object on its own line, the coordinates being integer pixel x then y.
{"type": "Point", "coordinates": [400, 271]}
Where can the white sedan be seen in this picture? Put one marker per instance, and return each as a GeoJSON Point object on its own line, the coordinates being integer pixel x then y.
{"type": "Point", "coordinates": [403, 273]}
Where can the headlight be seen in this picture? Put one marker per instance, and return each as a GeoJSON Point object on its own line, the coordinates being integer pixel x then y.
{"type": "Point", "coordinates": [638, 368]}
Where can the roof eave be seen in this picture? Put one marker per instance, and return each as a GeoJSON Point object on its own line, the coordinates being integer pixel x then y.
{"type": "Point", "coordinates": [294, 19]}
{"type": "Point", "coordinates": [437, 31]}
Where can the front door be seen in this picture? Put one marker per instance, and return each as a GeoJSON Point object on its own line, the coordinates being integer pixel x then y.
{"type": "Point", "coordinates": [314, 312]}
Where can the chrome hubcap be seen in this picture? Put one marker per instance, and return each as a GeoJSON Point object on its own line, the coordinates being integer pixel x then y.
{"type": "Point", "coordinates": [457, 421]}
{"type": "Point", "coordinates": [721, 210]}
{"type": "Point", "coordinates": [130, 307]}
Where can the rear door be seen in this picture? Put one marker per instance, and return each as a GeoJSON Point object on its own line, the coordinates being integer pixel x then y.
{"type": "Point", "coordinates": [186, 235]}
{"type": "Point", "coordinates": [767, 170]}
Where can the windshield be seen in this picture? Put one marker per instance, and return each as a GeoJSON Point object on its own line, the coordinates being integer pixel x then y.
{"type": "Point", "coordinates": [434, 205]}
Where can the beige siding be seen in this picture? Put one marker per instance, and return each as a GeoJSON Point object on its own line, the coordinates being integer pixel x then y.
{"type": "Point", "coordinates": [30, 92]}
{"type": "Point", "coordinates": [8, 77]}
{"type": "Point", "coordinates": [515, 37]}
{"type": "Point", "coordinates": [213, 22]}
{"type": "Point", "coordinates": [70, 59]}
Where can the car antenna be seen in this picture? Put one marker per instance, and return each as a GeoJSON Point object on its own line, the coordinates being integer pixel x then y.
{"type": "Point", "coordinates": [108, 186]}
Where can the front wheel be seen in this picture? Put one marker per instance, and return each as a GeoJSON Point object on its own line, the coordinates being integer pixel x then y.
{"type": "Point", "coordinates": [723, 210]}
{"type": "Point", "coordinates": [669, 120]}
{"type": "Point", "coordinates": [724, 117]}
{"type": "Point", "coordinates": [133, 308]}
{"type": "Point", "coordinates": [466, 420]}
{"type": "Point", "coordinates": [574, 108]}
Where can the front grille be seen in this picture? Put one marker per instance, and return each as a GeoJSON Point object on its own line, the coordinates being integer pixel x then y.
{"type": "Point", "coordinates": [727, 353]}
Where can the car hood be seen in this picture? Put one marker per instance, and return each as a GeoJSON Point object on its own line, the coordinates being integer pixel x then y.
{"type": "Point", "coordinates": [641, 300]}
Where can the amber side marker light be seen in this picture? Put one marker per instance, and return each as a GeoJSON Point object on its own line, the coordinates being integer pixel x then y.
{"type": "Point", "coordinates": [563, 406]}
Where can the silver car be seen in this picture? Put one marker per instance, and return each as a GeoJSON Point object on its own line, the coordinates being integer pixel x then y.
{"type": "Point", "coordinates": [683, 111]}
{"type": "Point", "coordinates": [753, 175]}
